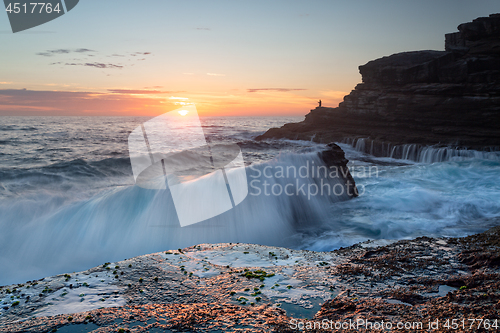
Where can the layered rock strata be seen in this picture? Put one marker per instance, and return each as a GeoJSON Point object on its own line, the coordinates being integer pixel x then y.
{"type": "Point", "coordinates": [448, 98]}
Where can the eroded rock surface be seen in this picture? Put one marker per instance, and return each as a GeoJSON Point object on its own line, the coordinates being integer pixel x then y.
{"type": "Point", "coordinates": [244, 287]}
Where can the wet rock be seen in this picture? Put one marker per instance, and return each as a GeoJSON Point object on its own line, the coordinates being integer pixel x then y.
{"type": "Point", "coordinates": [391, 283]}
{"type": "Point", "coordinates": [334, 157]}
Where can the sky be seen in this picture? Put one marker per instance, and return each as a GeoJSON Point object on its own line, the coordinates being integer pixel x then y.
{"type": "Point", "coordinates": [229, 58]}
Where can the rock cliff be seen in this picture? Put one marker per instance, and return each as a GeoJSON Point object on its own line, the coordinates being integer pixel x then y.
{"type": "Point", "coordinates": [449, 98]}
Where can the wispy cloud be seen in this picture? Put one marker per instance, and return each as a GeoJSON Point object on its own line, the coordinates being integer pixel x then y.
{"type": "Point", "coordinates": [135, 54]}
{"type": "Point", "coordinates": [5, 82]}
{"type": "Point", "coordinates": [68, 58]}
{"type": "Point", "coordinates": [274, 89]}
{"type": "Point", "coordinates": [83, 50]}
{"type": "Point", "coordinates": [94, 64]}
{"type": "Point", "coordinates": [179, 100]}
{"type": "Point", "coordinates": [130, 54]}
{"type": "Point", "coordinates": [51, 53]}
{"type": "Point", "coordinates": [56, 85]}
{"type": "Point", "coordinates": [140, 91]}
{"type": "Point", "coordinates": [39, 102]}
{"type": "Point", "coordinates": [202, 28]}
{"type": "Point", "coordinates": [215, 74]}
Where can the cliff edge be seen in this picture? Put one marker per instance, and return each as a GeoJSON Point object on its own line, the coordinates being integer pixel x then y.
{"type": "Point", "coordinates": [449, 98]}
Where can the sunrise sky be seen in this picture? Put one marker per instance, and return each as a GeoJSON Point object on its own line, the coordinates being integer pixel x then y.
{"type": "Point", "coordinates": [273, 57]}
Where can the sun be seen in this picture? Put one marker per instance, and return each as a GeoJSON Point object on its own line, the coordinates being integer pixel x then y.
{"type": "Point", "coordinates": [183, 112]}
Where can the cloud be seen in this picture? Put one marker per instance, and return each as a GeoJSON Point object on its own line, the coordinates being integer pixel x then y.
{"type": "Point", "coordinates": [83, 50]}
{"type": "Point", "coordinates": [140, 91]}
{"type": "Point", "coordinates": [215, 74]}
{"type": "Point", "coordinates": [188, 73]}
{"type": "Point", "coordinates": [89, 53]}
{"type": "Point", "coordinates": [56, 84]}
{"type": "Point", "coordinates": [200, 28]}
{"type": "Point", "coordinates": [5, 82]}
{"type": "Point", "coordinates": [39, 102]}
{"type": "Point", "coordinates": [51, 53]}
{"type": "Point", "coordinates": [134, 54]}
{"type": "Point", "coordinates": [92, 64]}
{"type": "Point", "coordinates": [274, 89]}
{"type": "Point", "coordinates": [179, 100]}
{"type": "Point", "coordinates": [25, 92]}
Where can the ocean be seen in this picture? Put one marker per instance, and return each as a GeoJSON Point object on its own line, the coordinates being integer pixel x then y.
{"type": "Point", "coordinates": [68, 201]}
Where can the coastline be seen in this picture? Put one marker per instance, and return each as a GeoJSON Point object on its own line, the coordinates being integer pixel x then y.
{"type": "Point", "coordinates": [418, 99]}
{"type": "Point", "coordinates": [163, 132]}
{"type": "Point", "coordinates": [212, 287]}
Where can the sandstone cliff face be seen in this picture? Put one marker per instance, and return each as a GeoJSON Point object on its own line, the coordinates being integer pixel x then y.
{"type": "Point", "coordinates": [449, 98]}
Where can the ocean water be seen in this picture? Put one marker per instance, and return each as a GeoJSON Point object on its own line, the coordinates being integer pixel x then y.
{"type": "Point", "coordinates": [68, 200]}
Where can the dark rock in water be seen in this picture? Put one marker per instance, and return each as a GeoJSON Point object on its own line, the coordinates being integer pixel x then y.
{"type": "Point", "coordinates": [334, 157]}
{"type": "Point", "coordinates": [449, 98]}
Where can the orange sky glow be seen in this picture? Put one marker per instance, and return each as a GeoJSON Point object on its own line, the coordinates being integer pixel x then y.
{"type": "Point", "coordinates": [229, 58]}
{"type": "Point", "coordinates": [129, 102]}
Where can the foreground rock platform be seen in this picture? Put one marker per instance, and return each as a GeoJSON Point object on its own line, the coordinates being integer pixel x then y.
{"type": "Point", "coordinates": [447, 98]}
{"type": "Point", "coordinates": [254, 288]}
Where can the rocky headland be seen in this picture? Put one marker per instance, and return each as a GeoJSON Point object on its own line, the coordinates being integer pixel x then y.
{"type": "Point", "coordinates": [443, 98]}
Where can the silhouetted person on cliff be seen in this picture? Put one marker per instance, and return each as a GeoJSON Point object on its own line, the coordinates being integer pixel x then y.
{"type": "Point", "coordinates": [319, 103]}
